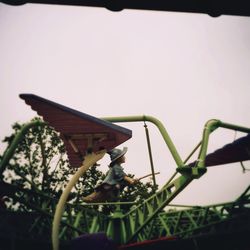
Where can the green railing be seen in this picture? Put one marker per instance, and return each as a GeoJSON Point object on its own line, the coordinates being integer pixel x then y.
{"type": "Point", "coordinates": [200, 220]}
{"type": "Point", "coordinates": [78, 219]}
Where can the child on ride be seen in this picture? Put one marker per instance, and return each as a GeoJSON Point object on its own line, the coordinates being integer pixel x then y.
{"type": "Point", "coordinates": [115, 180]}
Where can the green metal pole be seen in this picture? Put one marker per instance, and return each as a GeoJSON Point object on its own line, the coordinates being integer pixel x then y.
{"type": "Point", "coordinates": [109, 203]}
{"type": "Point", "coordinates": [158, 124]}
{"type": "Point", "coordinates": [18, 138]}
{"type": "Point", "coordinates": [210, 126]}
{"type": "Point", "coordinates": [89, 161]}
{"type": "Point", "coordinates": [193, 151]}
{"type": "Point", "coordinates": [150, 154]}
{"type": "Point", "coordinates": [234, 127]}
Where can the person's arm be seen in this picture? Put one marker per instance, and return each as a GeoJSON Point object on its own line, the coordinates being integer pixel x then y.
{"type": "Point", "coordinates": [130, 180]}
{"type": "Point", "coordinates": [119, 175]}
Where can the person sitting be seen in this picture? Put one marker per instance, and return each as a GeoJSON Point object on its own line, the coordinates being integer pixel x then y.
{"type": "Point", "coordinates": [115, 180]}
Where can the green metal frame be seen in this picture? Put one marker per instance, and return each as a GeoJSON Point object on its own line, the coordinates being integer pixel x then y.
{"type": "Point", "coordinates": [89, 161]}
{"type": "Point", "coordinates": [138, 223]}
{"type": "Point", "coordinates": [199, 220]}
{"type": "Point", "coordinates": [158, 124]}
{"type": "Point", "coordinates": [77, 219]}
{"type": "Point", "coordinates": [209, 127]}
{"type": "Point", "coordinates": [17, 139]}
{"type": "Point", "coordinates": [135, 225]}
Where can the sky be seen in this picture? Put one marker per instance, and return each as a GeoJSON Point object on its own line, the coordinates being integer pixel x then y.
{"type": "Point", "coordinates": [183, 69]}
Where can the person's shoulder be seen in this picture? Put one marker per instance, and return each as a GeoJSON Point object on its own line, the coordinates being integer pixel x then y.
{"type": "Point", "coordinates": [116, 165]}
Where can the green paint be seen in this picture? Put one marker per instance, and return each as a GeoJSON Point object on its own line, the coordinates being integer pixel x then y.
{"type": "Point", "coordinates": [17, 139]}
{"type": "Point", "coordinates": [146, 220]}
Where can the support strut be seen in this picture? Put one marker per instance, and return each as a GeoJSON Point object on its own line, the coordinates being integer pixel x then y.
{"type": "Point", "coordinates": [89, 161]}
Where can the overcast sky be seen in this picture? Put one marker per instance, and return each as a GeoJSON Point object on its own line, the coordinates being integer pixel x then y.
{"type": "Point", "coordinates": [183, 69]}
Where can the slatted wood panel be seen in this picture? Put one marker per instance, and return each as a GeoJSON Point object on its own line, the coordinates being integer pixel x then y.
{"type": "Point", "coordinates": [79, 131]}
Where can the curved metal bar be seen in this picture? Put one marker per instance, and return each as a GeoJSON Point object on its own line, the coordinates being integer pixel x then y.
{"type": "Point", "coordinates": [17, 139]}
{"type": "Point", "coordinates": [89, 160]}
{"type": "Point", "coordinates": [159, 125]}
{"type": "Point", "coordinates": [210, 126]}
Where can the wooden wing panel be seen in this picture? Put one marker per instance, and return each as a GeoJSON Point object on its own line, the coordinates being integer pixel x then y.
{"type": "Point", "coordinates": [80, 132]}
